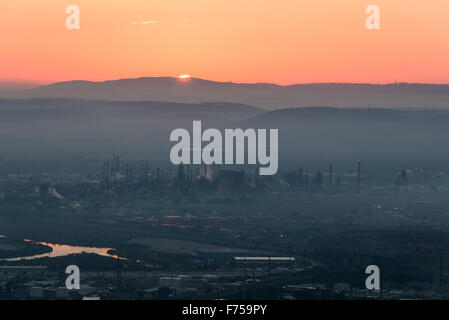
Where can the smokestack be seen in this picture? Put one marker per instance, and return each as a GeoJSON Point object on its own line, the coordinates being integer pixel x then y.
{"type": "Point", "coordinates": [127, 171]}
{"type": "Point", "coordinates": [118, 272]}
{"type": "Point", "coordinates": [330, 176]}
{"type": "Point", "coordinates": [300, 175]}
{"type": "Point", "coordinates": [358, 173]}
{"type": "Point", "coordinates": [441, 273]}
{"type": "Point", "coordinates": [107, 175]}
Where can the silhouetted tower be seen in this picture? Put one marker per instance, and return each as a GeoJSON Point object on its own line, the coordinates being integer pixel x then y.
{"type": "Point", "coordinates": [214, 171]}
{"type": "Point", "coordinates": [318, 179]}
{"type": "Point", "coordinates": [304, 254]}
{"type": "Point", "coordinates": [115, 166]}
{"type": "Point", "coordinates": [118, 272]}
{"type": "Point", "coordinates": [300, 175]}
{"type": "Point", "coordinates": [358, 173]}
{"type": "Point", "coordinates": [147, 172]}
{"type": "Point", "coordinates": [441, 273]}
{"type": "Point", "coordinates": [188, 174]}
{"type": "Point", "coordinates": [181, 179]}
{"type": "Point", "coordinates": [306, 179]}
{"type": "Point", "coordinates": [256, 175]}
{"type": "Point", "coordinates": [330, 176]}
{"type": "Point", "coordinates": [404, 179]}
{"type": "Point", "coordinates": [106, 175]}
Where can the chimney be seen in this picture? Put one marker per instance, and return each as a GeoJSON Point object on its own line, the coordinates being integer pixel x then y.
{"type": "Point", "coordinates": [358, 173]}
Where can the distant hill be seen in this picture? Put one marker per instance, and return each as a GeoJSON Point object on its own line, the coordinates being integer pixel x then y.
{"type": "Point", "coordinates": [129, 116]}
{"type": "Point", "coordinates": [27, 124]}
{"type": "Point", "coordinates": [269, 96]}
{"type": "Point", "coordinates": [375, 135]}
{"type": "Point", "coordinates": [313, 136]}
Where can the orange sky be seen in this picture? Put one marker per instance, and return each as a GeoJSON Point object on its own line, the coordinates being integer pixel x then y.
{"type": "Point", "coordinates": [282, 41]}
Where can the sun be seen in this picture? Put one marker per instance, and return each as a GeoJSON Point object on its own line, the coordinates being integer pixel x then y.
{"type": "Point", "coordinates": [185, 76]}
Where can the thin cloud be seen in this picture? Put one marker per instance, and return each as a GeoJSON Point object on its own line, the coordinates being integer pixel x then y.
{"type": "Point", "coordinates": [145, 22]}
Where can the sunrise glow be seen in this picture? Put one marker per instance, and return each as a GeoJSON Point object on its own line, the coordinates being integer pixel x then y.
{"type": "Point", "coordinates": [282, 41]}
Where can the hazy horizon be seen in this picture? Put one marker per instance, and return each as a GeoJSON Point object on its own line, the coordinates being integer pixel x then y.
{"type": "Point", "coordinates": [6, 84]}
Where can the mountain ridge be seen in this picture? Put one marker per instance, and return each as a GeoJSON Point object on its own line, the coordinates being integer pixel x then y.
{"type": "Point", "coordinates": [263, 95]}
